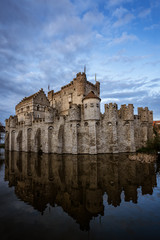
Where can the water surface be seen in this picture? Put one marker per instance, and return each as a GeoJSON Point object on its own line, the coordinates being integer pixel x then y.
{"type": "Point", "coordinates": [78, 197]}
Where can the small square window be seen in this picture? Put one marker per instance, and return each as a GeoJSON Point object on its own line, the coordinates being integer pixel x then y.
{"type": "Point", "coordinates": [91, 105]}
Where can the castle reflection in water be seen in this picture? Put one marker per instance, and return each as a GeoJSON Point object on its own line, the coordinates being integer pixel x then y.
{"type": "Point", "coordinates": [77, 183]}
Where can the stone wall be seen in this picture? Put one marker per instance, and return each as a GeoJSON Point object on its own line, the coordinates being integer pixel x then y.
{"type": "Point", "coordinates": [115, 131]}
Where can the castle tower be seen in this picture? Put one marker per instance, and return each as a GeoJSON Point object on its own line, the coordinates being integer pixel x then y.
{"type": "Point", "coordinates": [110, 120]}
{"type": "Point", "coordinates": [80, 80]}
{"type": "Point", "coordinates": [91, 105]}
{"type": "Point", "coordinates": [75, 116]}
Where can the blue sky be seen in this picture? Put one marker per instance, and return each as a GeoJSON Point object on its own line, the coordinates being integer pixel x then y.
{"type": "Point", "coordinates": [46, 42]}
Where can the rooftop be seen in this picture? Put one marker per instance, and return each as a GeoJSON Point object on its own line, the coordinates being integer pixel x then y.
{"type": "Point", "coordinates": [91, 95]}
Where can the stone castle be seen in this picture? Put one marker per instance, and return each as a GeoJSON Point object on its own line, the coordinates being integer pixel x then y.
{"type": "Point", "coordinates": [70, 121]}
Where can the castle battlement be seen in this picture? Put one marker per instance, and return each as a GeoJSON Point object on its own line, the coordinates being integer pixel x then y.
{"type": "Point", "coordinates": [70, 121]}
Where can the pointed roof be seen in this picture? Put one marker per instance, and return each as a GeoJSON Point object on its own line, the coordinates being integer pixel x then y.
{"type": "Point", "coordinates": [91, 95]}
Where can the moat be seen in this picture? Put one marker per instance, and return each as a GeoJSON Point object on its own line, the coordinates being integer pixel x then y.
{"type": "Point", "coordinates": [78, 197]}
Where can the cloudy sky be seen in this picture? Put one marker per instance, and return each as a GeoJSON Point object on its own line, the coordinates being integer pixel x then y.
{"type": "Point", "coordinates": [46, 42]}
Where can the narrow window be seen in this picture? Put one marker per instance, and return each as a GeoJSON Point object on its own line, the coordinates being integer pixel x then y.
{"type": "Point", "coordinates": [91, 105]}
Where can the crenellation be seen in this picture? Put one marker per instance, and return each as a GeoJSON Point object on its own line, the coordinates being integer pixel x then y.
{"type": "Point", "coordinates": [126, 112]}
{"type": "Point", "coordinates": [70, 121]}
{"type": "Point", "coordinates": [91, 84]}
{"type": "Point", "coordinates": [110, 112]}
{"type": "Point", "coordinates": [150, 117]}
{"type": "Point", "coordinates": [143, 114]}
{"type": "Point", "coordinates": [12, 121]}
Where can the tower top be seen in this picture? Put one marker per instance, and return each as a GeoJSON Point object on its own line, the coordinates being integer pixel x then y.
{"type": "Point", "coordinates": [91, 95]}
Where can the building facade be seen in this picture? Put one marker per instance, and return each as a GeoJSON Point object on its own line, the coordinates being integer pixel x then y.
{"type": "Point", "coordinates": [70, 121]}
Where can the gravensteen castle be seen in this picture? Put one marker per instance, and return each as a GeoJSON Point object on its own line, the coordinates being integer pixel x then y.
{"type": "Point", "coordinates": [70, 121]}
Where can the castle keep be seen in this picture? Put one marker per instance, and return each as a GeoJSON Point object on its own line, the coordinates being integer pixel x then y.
{"type": "Point", "coordinates": [70, 121]}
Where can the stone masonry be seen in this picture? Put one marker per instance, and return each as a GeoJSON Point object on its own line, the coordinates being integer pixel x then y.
{"type": "Point", "coordinates": [70, 121]}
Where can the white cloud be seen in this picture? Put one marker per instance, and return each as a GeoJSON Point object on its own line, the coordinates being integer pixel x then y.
{"type": "Point", "coordinates": [144, 13]}
{"type": "Point", "coordinates": [125, 58]}
{"type": "Point", "coordinates": [124, 20]}
{"type": "Point", "coordinates": [125, 37]}
{"type": "Point", "coordinates": [108, 100]}
{"type": "Point", "coordinates": [152, 27]}
{"type": "Point", "coordinates": [120, 12]}
{"type": "Point", "coordinates": [93, 18]}
{"type": "Point", "coordinates": [113, 3]}
{"type": "Point", "coordinates": [154, 92]}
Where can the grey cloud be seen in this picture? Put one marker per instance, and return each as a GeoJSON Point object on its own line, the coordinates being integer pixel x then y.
{"type": "Point", "coordinates": [124, 94]}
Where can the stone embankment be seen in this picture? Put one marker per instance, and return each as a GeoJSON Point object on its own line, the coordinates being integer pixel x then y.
{"type": "Point", "coordinates": [143, 157]}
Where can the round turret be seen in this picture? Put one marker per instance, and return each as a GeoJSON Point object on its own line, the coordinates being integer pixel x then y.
{"type": "Point", "coordinates": [91, 105]}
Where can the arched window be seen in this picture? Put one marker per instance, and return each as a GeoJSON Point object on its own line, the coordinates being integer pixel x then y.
{"type": "Point", "coordinates": [38, 108]}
